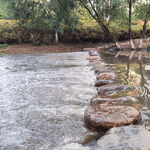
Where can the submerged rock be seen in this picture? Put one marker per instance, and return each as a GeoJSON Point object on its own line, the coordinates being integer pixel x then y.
{"type": "Point", "coordinates": [98, 100]}
{"type": "Point", "coordinates": [106, 76]}
{"type": "Point", "coordinates": [108, 116]}
{"type": "Point", "coordinates": [125, 138]}
{"type": "Point", "coordinates": [102, 70]}
{"type": "Point", "coordinates": [111, 90]}
{"type": "Point", "coordinates": [74, 146]}
{"type": "Point", "coordinates": [93, 53]}
{"type": "Point", "coordinates": [102, 82]}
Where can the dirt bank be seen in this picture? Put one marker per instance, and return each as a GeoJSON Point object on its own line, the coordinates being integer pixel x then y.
{"type": "Point", "coordinates": [29, 48]}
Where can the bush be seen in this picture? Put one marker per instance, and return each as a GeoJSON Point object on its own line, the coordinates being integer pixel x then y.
{"type": "Point", "coordinates": [2, 46]}
{"type": "Point", "coordinates": [148, 49]}
{"type": "Point", "coordinates": [10, 32]}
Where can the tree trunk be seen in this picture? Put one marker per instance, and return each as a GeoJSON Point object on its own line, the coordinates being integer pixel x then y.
{"type": "Point", "coordinates": [56, 37]}
{"type": "Point", "coordinates": [100, 22]}
{"type": "Point", "coordinates": [130, 25]}
{"type": "Point", "coordinates": [144, 28]}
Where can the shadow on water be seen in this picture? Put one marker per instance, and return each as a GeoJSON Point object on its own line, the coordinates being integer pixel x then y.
{"type": "Point", "coordinates": [135, 73]}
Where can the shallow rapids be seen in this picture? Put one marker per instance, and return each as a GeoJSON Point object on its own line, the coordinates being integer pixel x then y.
{"type": "Point", "coordinates": [42, 100]}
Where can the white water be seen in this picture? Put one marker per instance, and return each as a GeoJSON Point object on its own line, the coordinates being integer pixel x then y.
{"type": "Point", "coordinates": [42, 100]}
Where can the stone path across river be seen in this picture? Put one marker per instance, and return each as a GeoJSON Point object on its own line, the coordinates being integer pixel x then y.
{"type": "Point", "coordinates": [106, 112]}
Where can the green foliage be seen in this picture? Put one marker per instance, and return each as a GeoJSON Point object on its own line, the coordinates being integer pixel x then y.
{"type": "Point", "coordinates": [8, 31]}
{"type": "Point", "coordinates": [37, 21]}
{"type": "Point", "coordinates": [5, 11]}
{"type": "Point", "coordinates": [2, 46]}
{"type": "Point", "coordinates": [141, 11]}
{"type": "Point", "coordinates": [148, 49]}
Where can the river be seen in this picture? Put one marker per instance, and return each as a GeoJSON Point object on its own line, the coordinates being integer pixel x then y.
{"type": "Point", "coordinates": [42, 100]}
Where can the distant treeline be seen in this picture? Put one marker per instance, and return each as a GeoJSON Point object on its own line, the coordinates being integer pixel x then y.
{"type": "Point", "coordinates": [51, 21]}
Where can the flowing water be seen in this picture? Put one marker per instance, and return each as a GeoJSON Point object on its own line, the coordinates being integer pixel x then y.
{"type": "Point", "coordinates": [42, 100]}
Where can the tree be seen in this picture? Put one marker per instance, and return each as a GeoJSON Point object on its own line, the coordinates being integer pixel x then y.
{"type": "Point", "coordinates": [59, 13]}
{"type": "Point", "coordinates": [40, 14]}
{"type": "Point", "coordinates": [105, 11]}
{"type": "Point", "coordinates": [5, 13]}
{"type": "Point", "coordinates": [142, 12]}
{"type": "Point", "coordinates": [130, 2]}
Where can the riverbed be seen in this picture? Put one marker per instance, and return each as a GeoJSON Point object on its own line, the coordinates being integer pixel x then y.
{"type": "Point", "coordinates": [42, 100]}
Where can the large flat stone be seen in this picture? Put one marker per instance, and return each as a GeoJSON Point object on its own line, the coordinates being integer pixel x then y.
{"type": "Point", "coordinates": [104, 117]}
{"type": "Point", "coordinates": [125, 138]}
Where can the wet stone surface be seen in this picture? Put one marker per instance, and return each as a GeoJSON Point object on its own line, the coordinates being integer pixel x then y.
{"type": "Point", "coordinates": [125, 138]}
{"type": "Point", "coordinates": [98, 100]}
{"type": "Point", "coordinates": [111, 90]}
{"type": "Point", "coordinates": [109, 116]}
{"type": "Point", "coordinates": [91, 58]}
{"type": "Point", "coordinates": [106, 76]}
{"type": "Point", "coordinates": [103, 82]}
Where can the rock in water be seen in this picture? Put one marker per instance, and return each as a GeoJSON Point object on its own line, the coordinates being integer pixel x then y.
{"type": "Point", "coordinates": [93, 53]}
{"type": "Point", "coordinates": [98, 100]}
{"type": "Point", "coordinates": [92, 58]}
{"type": "Point", "coordinates": [125, 138]}
{"type": "Point", "coordinates": [111, 90]}
{"type": "Point", "coordinates": [106, 76]}
{"type": "Point", "coordinates": [74, 146]}
{"type": "Point", "coordinates": [103, 117]}
{"type": "Point", "coordinates": [102, 82]}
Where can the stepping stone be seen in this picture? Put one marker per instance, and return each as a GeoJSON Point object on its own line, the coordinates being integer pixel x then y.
{"type": "Point", "coordinates": [97, 101]}
{"type": "Point", "coordinates": [111, 90]}
{"type": "Point", "coordinates": [93, 53]}
{"type": "Point", "coordinates": [91, 58]}
{"type": "Point", "coordinates": [106, 76]}
{"type": "Point", "coordinates": [103, 82]}
{"type": "Point", "coordinates": [104, 117]}
{"type": "Point", "coordinates": [101, 70]}
{"type": "Point", "coordinates": [125, 138]}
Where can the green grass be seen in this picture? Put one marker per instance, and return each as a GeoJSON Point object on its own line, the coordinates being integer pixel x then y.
{"type": "Point", "coordinates": [2, 47]}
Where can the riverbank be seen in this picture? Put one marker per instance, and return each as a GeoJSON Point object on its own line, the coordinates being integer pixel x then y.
{"type": "Point", "coordinates": [29, 48]}
{"type": "Point", "coordinates": [64, 47]}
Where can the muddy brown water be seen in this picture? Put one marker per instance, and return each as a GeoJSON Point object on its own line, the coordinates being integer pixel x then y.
{"type": "Point", "coordinates": [42, 100]}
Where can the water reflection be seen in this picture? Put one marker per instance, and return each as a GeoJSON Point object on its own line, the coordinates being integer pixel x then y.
{"type": "Point", "coordinates": [135, 73]}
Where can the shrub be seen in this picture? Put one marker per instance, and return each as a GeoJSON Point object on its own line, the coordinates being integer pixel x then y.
{"type": "Point", "coordinates": [148, 49]}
